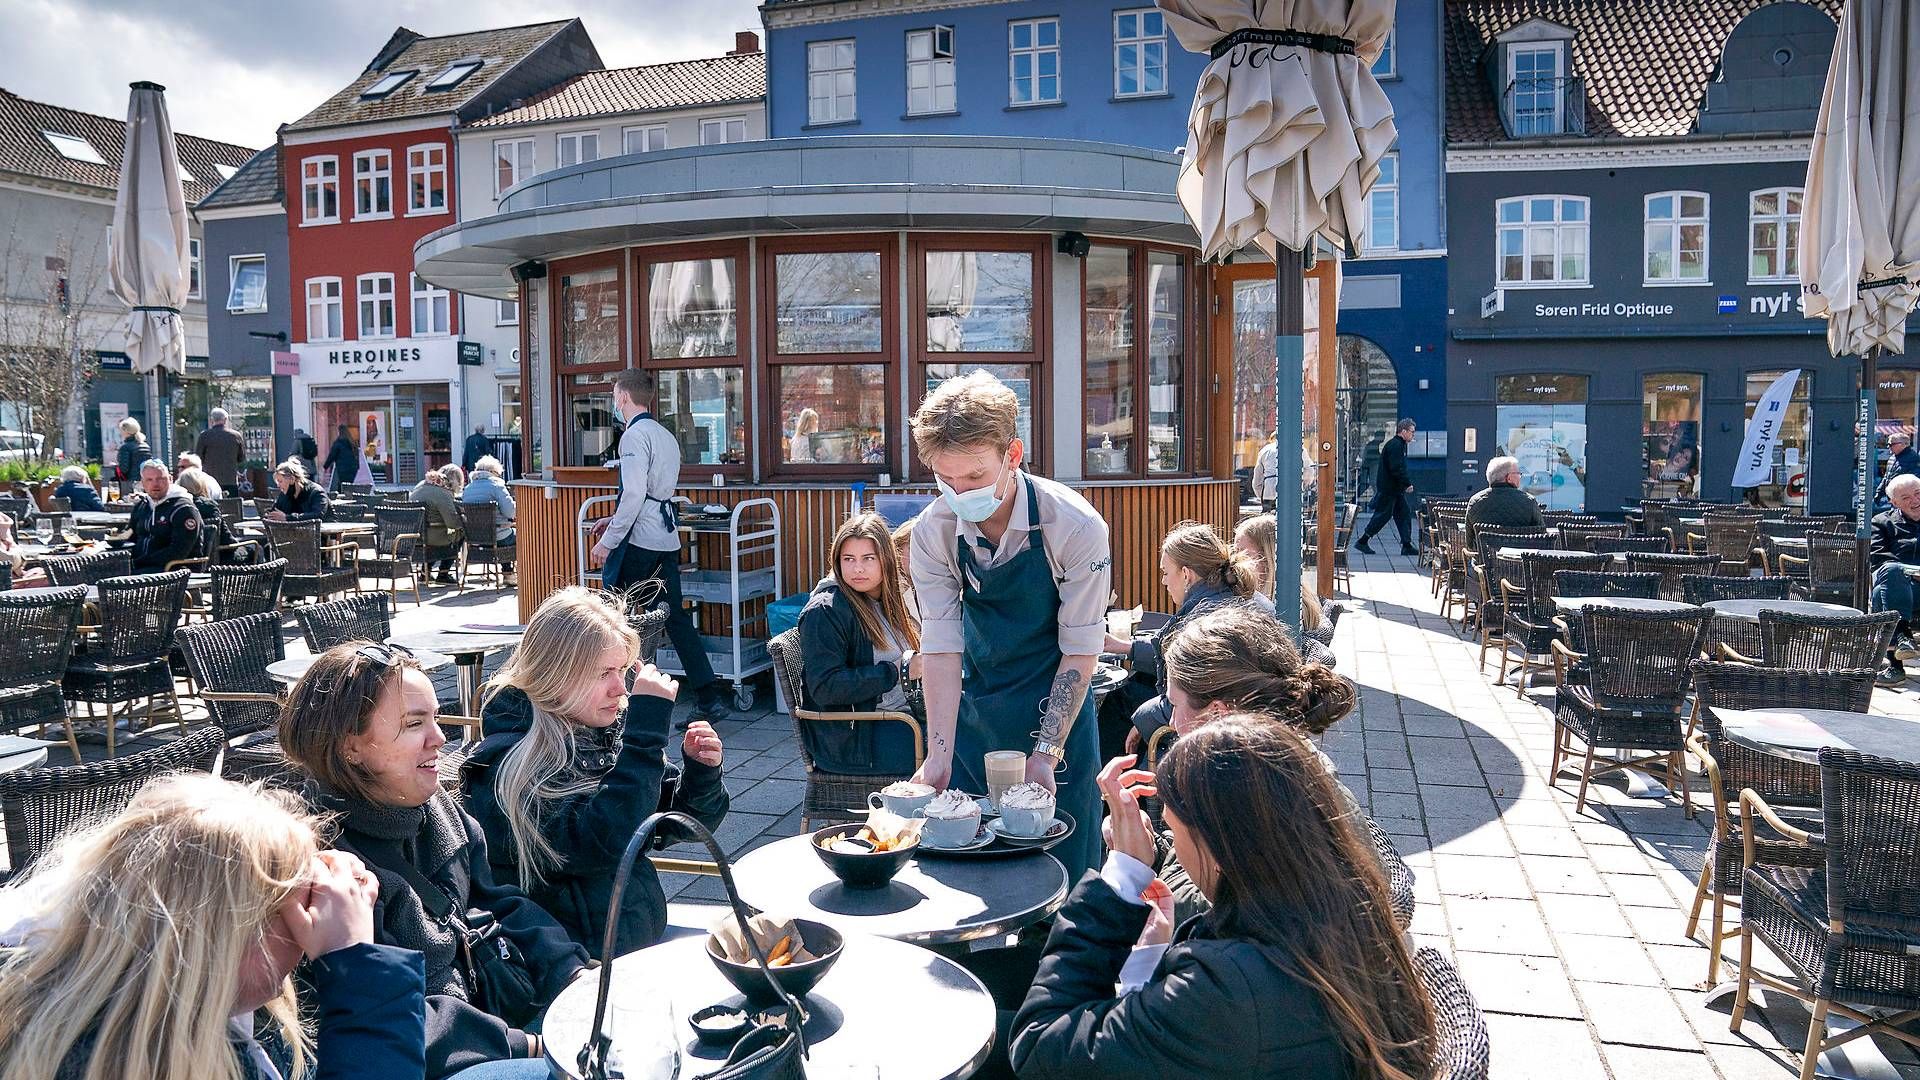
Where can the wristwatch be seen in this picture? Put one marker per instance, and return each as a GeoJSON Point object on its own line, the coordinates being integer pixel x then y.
{"type": "Point", "coordinates": [1053, 750]}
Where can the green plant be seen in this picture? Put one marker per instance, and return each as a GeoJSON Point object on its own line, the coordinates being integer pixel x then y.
{"type": "Point", "coordinates": [34, 471]}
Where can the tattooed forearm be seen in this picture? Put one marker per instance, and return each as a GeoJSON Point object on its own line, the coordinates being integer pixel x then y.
{"type": "Point", "coordinates": [1063, 705]}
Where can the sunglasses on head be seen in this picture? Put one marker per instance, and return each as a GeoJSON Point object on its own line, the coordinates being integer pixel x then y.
{"type": "Point", "coordinates": [385, 656]}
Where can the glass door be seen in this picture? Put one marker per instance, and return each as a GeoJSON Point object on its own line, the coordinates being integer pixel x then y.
{"type": "Point", "coordinates": [1542, 421]}
{"type": "Point", "coordinates": [403, 462]}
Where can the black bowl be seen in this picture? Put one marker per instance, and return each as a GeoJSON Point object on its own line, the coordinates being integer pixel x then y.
{"type": "Point", "coordinates": [720, 1025]}
{"type": "Point", "coordinates": [823, 941]}
{"type": "Point", "coordinates": [863, 870]}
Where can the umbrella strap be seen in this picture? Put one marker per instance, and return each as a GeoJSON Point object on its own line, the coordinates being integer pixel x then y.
{"type": "Point", "coordinates": [1326, 43]}
{"type": "Point", "coordinates": [1897, 279]}
{"type": "Point", "coordinates": [156, 307]}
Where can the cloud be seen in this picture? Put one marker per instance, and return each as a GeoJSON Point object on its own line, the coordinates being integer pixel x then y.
{"type": "Point", "coordinates": [238, 70]}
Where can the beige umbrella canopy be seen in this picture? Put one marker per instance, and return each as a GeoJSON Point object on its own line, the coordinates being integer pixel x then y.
{"type": "Point", "coordinates": [1288, 123]}
{"type": "Point", "coordinates": [147, 259]}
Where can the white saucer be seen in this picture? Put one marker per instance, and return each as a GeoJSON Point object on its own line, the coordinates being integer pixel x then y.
{"type": "Point", "coordinates": [1055, 829]}
{"type": "Point", "coordinates": [980, 839]}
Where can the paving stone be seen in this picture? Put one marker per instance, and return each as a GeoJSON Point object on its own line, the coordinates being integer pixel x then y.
{"type": "Point", "coordinates": [1540, 1048]}
{"type": "Point", "coordinates": [1531, 812]}
{"type": "Point", "coordinates": [1618, 860]}
{"type": "Point", "coordinates": [1498, 925]}
{"type": "Point", "coordinates": [769, 797]}
{"type": "Point", "coordinates": [1466, 836]}
{"type": "Point", "coordinates": [1473, 803]}
{"type": "Point", "coordinates": [1684, 967]}
{"type": "Point", "coordinates": [750, 766]}
{"type": "Point", "coordinates": [1525, 985]}
{"type": "Point", "coordinates": [1394, 780]}
{"type": "Point", "coordinates": [1596, 915]}
{"type": "Point", "coordinates": [1641, 890]}
{"type": "Point", "coordinates": [1638, 1061]}
{"type": "Point", "coordinates": [1542, 840]}
{"type": "Point", "coordinates": [1751, 1063]}
{"type": "Point", "coordinates": [1480, 876]}
{"type": "Point", "coordinates": [1635, 1015]}
{"type": "Point", "coordinates": [1387, 805]}
{"type": "Point", "coordinates": [1656, 925]}
{"type": "Point", "coordinates": [1548, 873]}
{"type": "Point", "coordinates": [1607, 959]}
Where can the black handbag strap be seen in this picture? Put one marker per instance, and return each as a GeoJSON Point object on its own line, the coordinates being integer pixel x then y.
{"type": "Point", "coordinates": [593, 1056]}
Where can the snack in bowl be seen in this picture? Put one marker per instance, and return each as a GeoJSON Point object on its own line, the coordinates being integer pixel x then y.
{"type": "Point", "coordinates": [863, 858]}
{"type": "Point", "coordinates": [1026, 810]}
{"type": "Point", "coordinates": [952, 819]}
{"type": "Point", "coordinates": [799, 952]}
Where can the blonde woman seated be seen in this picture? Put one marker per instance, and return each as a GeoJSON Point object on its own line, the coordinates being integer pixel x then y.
{"type": "Point", "coordinates": [573, 762]}
{"type": "Point", "coordinates": [158, 944]}
{"type": "Point", "coordinates": [1259, 538]}
{"type": "Point", "coordinates": [859, 642]}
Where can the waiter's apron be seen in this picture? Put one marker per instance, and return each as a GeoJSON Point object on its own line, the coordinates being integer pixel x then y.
{"type": "Point", "coordinates": [1011, 617]}
{"type": "Point", "coordinates": [610, 570]}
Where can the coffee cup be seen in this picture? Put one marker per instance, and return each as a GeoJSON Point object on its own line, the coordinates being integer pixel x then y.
{"type": "Point", "coordinates": [1026, 811]}
{"type": "Point", "coordinates": [952, 820]}
{"type": "Point", "coordinates": [902, 797]}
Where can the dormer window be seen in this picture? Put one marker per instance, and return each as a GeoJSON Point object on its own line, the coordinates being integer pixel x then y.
{"type": "Point", "coordinates": [1531, 69]}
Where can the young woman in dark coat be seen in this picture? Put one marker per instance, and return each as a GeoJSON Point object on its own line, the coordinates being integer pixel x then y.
{"type": "Point", "coordinates": [858, 640]}
{"type": "Point", "coordinates": [1297, 971]}
{"type": "Point", "coordinates": [573, 763]}
{"type": "Point", "coordinates": [300, 499]}
{"type": "Point", "coordinates": [360, 724]}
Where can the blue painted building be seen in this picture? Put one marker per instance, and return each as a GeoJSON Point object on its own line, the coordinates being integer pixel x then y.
{"type": "Point", "coordinates": [1113, 72]}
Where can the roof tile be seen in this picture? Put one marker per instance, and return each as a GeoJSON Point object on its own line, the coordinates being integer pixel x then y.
{"type": "Point", "coordinates": [498, 50]}
{"type": "Point", "coordinates": [25, 151]}
{"type": "Point", "coordinates": [680, 84]}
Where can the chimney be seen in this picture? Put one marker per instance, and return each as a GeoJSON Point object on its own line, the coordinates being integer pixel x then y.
{"type": "Point", "coordinates": [745, 41]}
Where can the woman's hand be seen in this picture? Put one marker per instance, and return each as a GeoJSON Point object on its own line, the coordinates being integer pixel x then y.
{"type": "Point", "coordinates": [650, 681]}
{"type": "Point", "coordinates": [1122, 787]}
{"type": "Point", "coordinates": [336, 908]}
{"type": "Point", "coordinates": [701, 744]}
{"type": "Point", "coordinates": [935, 772]}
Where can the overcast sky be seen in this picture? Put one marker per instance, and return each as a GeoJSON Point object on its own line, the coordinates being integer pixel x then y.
{"type": "Point", "coordinates": [237, 69]}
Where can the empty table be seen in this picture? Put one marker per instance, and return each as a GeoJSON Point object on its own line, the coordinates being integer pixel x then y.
{"type": "Point", "coordinates": [1799, 734]}
{"type": "Point", "coordinates": [289, 670]}
{"type": "Point", "coordinates": [1750, 610]}
{"type": "Point", "coordinates": [18, 752]}
{"type": "Point", "coordinates": [1629, 603]}
{"type": "Point", "coordinates": [469, 649]}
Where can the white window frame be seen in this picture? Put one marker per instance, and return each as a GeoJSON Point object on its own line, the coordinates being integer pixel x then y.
{"type": "Point", "coordinates": [368, 302]}
{"type": "Point", "coordinates": [722, 124]}
{"type": "Point", "coordinates": [317, 176]}
{"type": "Point", "coordinates": [1390, 53]}
{"type": "Point", "coordinates": [370, 168]}
{"type": "Point", "coordinates": [521, 171]}
{"type": "Point", "coordinates": [935, 69]}
{"type": "Point", "coordinates": [645, 132]}
{"type": "Point", "coordinates": [433, 162]}
{"type": "Point", "coordinates": [1140, 41]}
{"type": "Point", "coordinates": [824, 109]}
{"type": "Point", "coordinates": [1528, 231]}
{"type": "Point", "coordinates": [386, 85]}
{"type": "Point", "coordinates": [72, 147]}
{"type": "Point", "coordinates": [438, 308]}
{"type": "Point", "coordinates": [454, 74]}
{"type": "Point", "coordinates": [578, 140]}
{"type": "Point", "coordinates": [196, 272]}
{"type": "Point", "coordinates": [1783, 247]}
{"type": "Point", "coordinates": [1559, 53]}
{"type": "Point", "coordinates": [502, 316]}
{"type": "Point", "coordinates": [1674, 224]}
{"type": "Point", "coordinates": [322, 302]}
{"type": "Point", "coordinates": [234, 263]}
{"type": "Point", "coordinates": [1381, 188]}
{"type": "Point", "coordinates": [1033, 52]}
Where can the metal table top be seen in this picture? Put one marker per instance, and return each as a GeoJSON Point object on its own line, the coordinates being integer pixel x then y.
{"type": "Point", "coordinates": [1750, 609]}
{"type": "Point", "coordinates": [289, 670]}
{"type": "Point", "coordinates": [455, 642]}
{"type": "Point", "coordinates": [1629, 603]}
{"type": "Point", "coordinates": [1799, 734]}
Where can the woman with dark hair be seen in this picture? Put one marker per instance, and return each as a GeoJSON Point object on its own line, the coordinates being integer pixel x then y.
{"type": "Point", "coordinates": [859, 639]}
{"type": "Point", "coordinates": [1300, 924]}
{"type": "Point", "coordinates": [300, 499]}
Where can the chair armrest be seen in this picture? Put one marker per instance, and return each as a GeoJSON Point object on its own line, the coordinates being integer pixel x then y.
{"type": "Point", "coordinates": [238, 695]}
{"type": "Point", "coordinates": [701, 867]}
{"type": "Point", "coordinates": [1159, 739]}
{"type": "Point", "coordinates": [1782, 559]}
{"type": "Point", "coordinates": [919, 740]}
{"type": "Point", "coordinates": [1562, 658]}
{"type": "Point", "coordinates": [471, 723]}
{"type": "Point", "coordinates": [1698, 748]}
{"type": "Point", "coordinates": [1727, 652]}
{"type": "Point", "coordinates": [1752, 806]}
{"type": "Point", "coordinates": [191, 564]}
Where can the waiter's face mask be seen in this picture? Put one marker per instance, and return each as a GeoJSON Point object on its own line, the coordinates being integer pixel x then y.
{"type": "Point", "coordinates": [979, 503]}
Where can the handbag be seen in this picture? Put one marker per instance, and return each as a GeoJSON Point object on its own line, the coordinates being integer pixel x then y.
{"type": "Point", "coordinates": [769, 1051]}
{"type": "Point", "coordinates": [498, 980]}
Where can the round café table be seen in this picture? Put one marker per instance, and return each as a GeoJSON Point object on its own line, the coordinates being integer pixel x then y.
{"type": "Point", "coordinates": [1625, 603]}
{"type": "Point", "coordinates": [1799, 734]}
{"type": "Point", "coordinates": [18, 752]}
{"type": "Point", "coordinates": [195, 583]}
{"type": "Point", "coordinates": [290, 670]}
{"type": "Point", "coordinates": [887, 1009]}
{"type": "Point", "coordinates": [469, 650]}
{"type": "Point", "coordinates": [933, 900]}
{"type": "Point", "coordinates": [1749, 610]}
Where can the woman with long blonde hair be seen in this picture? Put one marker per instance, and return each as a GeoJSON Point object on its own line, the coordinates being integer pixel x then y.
{"type": "Point", "coordinates": [145, 945]}
{"type": "Point", "coordinates": [1258, 538]}
{"type": "Point", "coordinates": [860, 643]}
{"type": "Point", "coordinates": [573, 762]}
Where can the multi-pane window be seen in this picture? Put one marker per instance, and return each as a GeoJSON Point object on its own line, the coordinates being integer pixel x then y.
{"type": "Point", "coordinates": [1533, 78]}
{"type": "Point", "coordinates": [1542, 239]}
{"type": "Point", "coordinates": [247, 284]}
{"type": "Point", "coordinates": [831, 354]}
{"type": "Point", "coordinates": [193, 268]}
{"type": "Point", "coordinates": [575, 148]}
{"type": "Point", "coordinates": [432, 308]}
{"type": "Point", "coordinates": [723, 129]}
{"type": "Point", "coordinates": [1675, 245]}
{"type": "Point", "coordinates": [643, 139]}
{"type": "Point", "coordinates": [1383, 206]}
{"type": "Point", "coordinates": [1139, 53]}
{"type": "Point", "coordinates": [1773, 235]}
{"type": "Point", "coordinates": [376, 306]}
{"type": "Point", "coordinates": [427, 178]}
{"type": "Point", "coordinates": [512, 163]}
{"type": "Point", "coordinates": [1033, 61]}
{"type": "Point", "coordinates": [1135, 340]}
{"type": "Point", "coordinates": [320, 191]}
{"type": "Point", "coordinates": [324, 309]}
{"type": "Point", "coordinates": [930, 87]}
{"type": "Point", "coordinates": [373, 184]}
{"type": "Point", "coordinates": [1383, 64]}
{"type": "Point", "coordinates": [830, 82]}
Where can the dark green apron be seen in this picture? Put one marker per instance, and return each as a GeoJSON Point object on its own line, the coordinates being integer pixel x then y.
{"type": "Point", "coordinates": [1011, 616]}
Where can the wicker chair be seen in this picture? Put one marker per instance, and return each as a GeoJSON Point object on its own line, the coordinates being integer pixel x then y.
{"type": "Point", "coordinates": [1607, 545]}
{"type": "Point", "coordinates": [316, 570]}
{"type": "Point", "coordinates": [1849, 929]}
{"type": "Point", "coordinates": [356, 489]}
{"type": "Point", "coordinates": [37, 633]}
{"type": "Point", "coordinates": [1462, 1049]}
{"type": "Point", "coordinates": [1638, 664]}
{"type": "Point", "coordinates": [1731, 768]}
{"type": "Point", "coordinates": [41, 805]}
{"type": "Point", "coordinates": [1826, 574]}
{"type": "Point", "coordinates": [127, 659]}
{"type": "Point", "coordinates": [830, 796]}
{"type": "Point", "coordinates": [1822, 642]}
{"type": "Point", "coordinates": [89, 569]}
{"type": "Point", "coordinates": [1483, 582]}
{"type": "Point", "coordinates": [1671, 568]}
{"type": "Point", "coordinates": [1528, 611]}
{"type": "Point", "coordinates": [1606, 583]}
{"type": "Point", "coordinates": [399, 535]}
{"type": "Point", "coordinates": [361, 617]}
{"type": "Point", "coordinates": [1728, 539]}
{"type": "Point", "coordinates": [1557, 518]}
{"type": "Point", "coordinates": [1765, 539]}
{"type": "Point", "coordinates": [479, 522]}
{"type": "Point", "coordinates": [246, 590]}
{"type": "Point", "coordinates": [229, 659]}
{"type": "Point", "coordinates": [1581, 537]}
{"type": "Point", "coordinates": [232, 508]}
{"type": "Point", "coordinates": [1342, 533]}
{"type": "Point", "coordinates": [1705, 588]}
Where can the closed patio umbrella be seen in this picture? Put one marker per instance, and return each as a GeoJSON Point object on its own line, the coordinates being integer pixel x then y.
{"type": "Point", "coordinates": [147, 257]}
{"type": "Point", "coordinates": [1284, 138]}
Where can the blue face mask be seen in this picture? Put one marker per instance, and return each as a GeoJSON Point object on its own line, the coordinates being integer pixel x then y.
{"type": "Point", "coordinates": [976, 505]}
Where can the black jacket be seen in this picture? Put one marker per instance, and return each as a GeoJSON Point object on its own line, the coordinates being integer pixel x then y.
{"type": "Point", "coordinates": [1149, 649]}
{"type": "Point", "coordinates": [344, 458]}
{"type": "Point", "coordinates": [1503, 506]}
{"type": "Point", "coordinates": [221, 452]}
{"type": "Point", "coordinates": [166, 531]}
{"type": "Point", "coordinates": [477, 446]}
{"type": "Point", "coordinates": [1215, 1007]}
{"type": "Point", "coordinates": [305, 447]}
{"type": "Point", "coordinates": [1906, 462]}
{"type": "Point", "coordinates": [590, 831]}
{"type": "Point", "coordinates": [306, 502]}
{"type": "Point", "coordinates": [842, 675]}
{"type": "Point", "coordinates": [79, 496]}
{"type": "Point", "coordinates": [133, 452]}
{"type": "Point", "coordinates": [446, 847]}
{"type": "Point", "coordinates": [1392, 479]}
{"type": "Point", "coordinates": [1896, 538]}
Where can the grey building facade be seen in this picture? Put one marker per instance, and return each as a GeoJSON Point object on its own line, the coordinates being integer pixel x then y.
{"type": "Point", "coordinates": [249, 305]}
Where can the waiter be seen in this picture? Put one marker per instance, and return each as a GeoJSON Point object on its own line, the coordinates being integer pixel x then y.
{"type": "Point", "coordinates": [642, 538]}
{"type": "Point", "coordinates": [1012, 575]}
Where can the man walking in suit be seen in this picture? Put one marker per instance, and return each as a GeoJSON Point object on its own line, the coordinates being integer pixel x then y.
{"type": "Point", "coordinates": [1393, 490]}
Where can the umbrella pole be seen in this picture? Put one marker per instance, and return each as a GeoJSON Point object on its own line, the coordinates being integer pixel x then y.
{"type": "Point", "coordinates": [1290, 354]}
{"type": "Point", "coordinates": [1863, 480]}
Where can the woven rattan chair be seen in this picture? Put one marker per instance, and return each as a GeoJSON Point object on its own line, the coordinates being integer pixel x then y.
{"type": "Point", "coordinates": [1637, 672]}
{"type": "Point", "coordinates": [229, 660]}
{"type": "Point", "coordinates": [1822, 642]}
{"type": "Point", "coordinates": [1607, 545]}
{"type": "Point", "coordinates": [1848, 929]}
{"type": "Point", "coordinates": [263, 507]}
{"type": "Point", "coordinates": [1451, 569]}
{"type": "Point", "coordinates": [1671, 568]}
{"type": "Point", "coordinates": [1728, 539]}
{"type": "Point", "coordinates": [246, 590]}
{"type": "Point", "coordinates": [1462, 1049]}
{"type": "Point", "coordinates": [1528, 608]}
{"type": "Point", "coordinates": [1557, 518]}
{"type": "Point", "coordinates": [126, 661]}
{"type": "Point", "coordinates": [1789, 786]}
{"type": "Point", "coordinates": [37, 633]}
{"type": "Point", "coordinates": [362, 617]}
{"type": "Point", "coordinates": [1826, 573]}
{"type": "Point", "coordinates": [232, 508]}
{"type": "Point", "coordinates": [41, 805]}
{"type": "Point", "coordinates": [830, 796]}
{"type": "Point", "coordinates": [399, 535]}
{"type": "Point", "coordinates": [316, 570]}
{"type": "Point", "coordinates": [1768, 533]}
{"type": "Point", "coordinates": [1483, 580]}
{"type": "Point", "coordinates": [1590, 583]}
{"type": "Point", "coordinates": [89, 569]}
{"type": "Point", "coordinates": [1581, 537]}
{"type": "Point", "coordinates": [1706, 588]}
{"type": "Point", "coordinates": [1433, 544]}
{"type": "Point", "coordinates": [479, 522]}
{"type": "Point", "coordinates": [356, 489]}
{"type": "Point", "coordinates": [1342, 533]}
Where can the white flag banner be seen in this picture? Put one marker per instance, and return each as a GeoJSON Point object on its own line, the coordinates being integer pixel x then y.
{"type": "Point", "coordinates": [1755, 466]}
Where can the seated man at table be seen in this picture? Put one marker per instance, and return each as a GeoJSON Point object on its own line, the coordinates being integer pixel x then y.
{"type": "Point", "coordinates": [1894, 552]}
{"type": "Point", "coordinates": [1502, 504]}
{"type": "Point", "coordinates": [166, 525]}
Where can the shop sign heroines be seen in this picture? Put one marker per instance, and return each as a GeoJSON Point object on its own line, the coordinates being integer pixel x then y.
{"type": "Point", "coordinates": [417, 360]}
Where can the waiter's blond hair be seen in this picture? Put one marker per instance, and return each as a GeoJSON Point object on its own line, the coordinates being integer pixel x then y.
{"type": "Point", "coordinates": [966, 412]}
